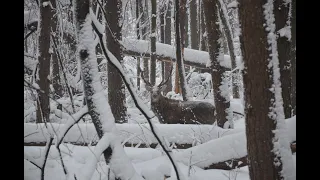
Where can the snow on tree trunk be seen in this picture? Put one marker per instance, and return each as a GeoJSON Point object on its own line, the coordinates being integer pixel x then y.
{"type": "Point", "coordinates": [153, 60]}
{"type": "Point", "coordinates": [98, 106]}
{"type": "Point", "coordinates": [179, 53]}
{"type": "Point", "coordinates": [218, 69]}
{"type": "Point", "coordinates": [282, 22]}
{"type": "Point", "coordinates": [230, 44]}
{"type": "Point", "coordinates": [116, 87]}
{"type": "Point", "coordinates": [43, 102]}
{"type": "Point", "coordinates": [268, 147]}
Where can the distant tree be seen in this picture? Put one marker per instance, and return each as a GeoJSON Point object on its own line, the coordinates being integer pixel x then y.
{"type": "Point", "coordinates": [167, 40]}
{"type": "Point", "coordinates": [269, 151]}
{"type": "Point", "coordinates": [153, 60]}
{"type": "Point", "coordinates": [194, 29]}
{"type": "Point", "coordinates": [138, 7]}
{"type": "Point", "coordinates": [180, 51]}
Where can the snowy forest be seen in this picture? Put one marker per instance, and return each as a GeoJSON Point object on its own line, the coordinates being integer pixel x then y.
{"type": "Point", "coordinates": [160, 89]}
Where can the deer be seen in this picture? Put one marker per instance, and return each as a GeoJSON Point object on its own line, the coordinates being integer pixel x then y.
{"type": "Point", "coordinates": [171, 111]}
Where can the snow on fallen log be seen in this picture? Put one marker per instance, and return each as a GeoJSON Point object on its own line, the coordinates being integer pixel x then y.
{"type": "Point", "coordinates": [165, 52]}
{"type": "Point", "coordinates": [226, 152]}
{"type": "Point", "coordinates": [183, 136]}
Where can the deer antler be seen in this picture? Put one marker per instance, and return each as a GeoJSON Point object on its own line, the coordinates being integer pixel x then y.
{"type": "Point", "coordinates": [170, 74]}
{"type": "Point", "coordinates": [142, 77]}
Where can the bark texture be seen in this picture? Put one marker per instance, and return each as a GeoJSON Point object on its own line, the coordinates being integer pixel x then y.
{"type": "Point", "coordinates": [258, 79]}
{"type": "Point", "coordinates": [281, 12]}
{"type": "Point", "coordinates": [218, 72]}
{"type": "Point", "coordinates": [43, 104]}
{"type": "Point", "coordinates": [116, 87]}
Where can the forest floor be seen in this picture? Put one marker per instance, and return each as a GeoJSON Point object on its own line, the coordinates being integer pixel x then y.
{"type": "Point", "coordinates": [143, 159]}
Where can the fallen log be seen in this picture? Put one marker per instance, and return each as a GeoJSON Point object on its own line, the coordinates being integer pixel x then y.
{"type": "Point", "coordinates": [220, 153]}
{"type": "Point", "coordinates": [131, 135]}
{"type": "Point", "coordinates": [166, 52]}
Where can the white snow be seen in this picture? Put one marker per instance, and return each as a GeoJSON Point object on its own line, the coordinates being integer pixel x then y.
{"type": "Point", "coordinates": [131, 133]}
{"type": "Point", "coordinates": [168, 51]}
{"type": "Point", "coordinates": [233, 4]}
{"type": "Point", "coordinates": [285, 32]}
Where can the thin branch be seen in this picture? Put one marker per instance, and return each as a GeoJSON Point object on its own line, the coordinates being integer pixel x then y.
{"type": "Point", "coordinates": [46, 157]}
{"type": "Point", "coordinates": [32, 31]}
{"type": "Point", "coordinates": [134, 96]}
{"type": "Point", "coordinates": [33, 163]}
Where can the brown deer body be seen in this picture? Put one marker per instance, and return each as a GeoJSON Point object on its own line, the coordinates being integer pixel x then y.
{"type": "Point", "coordinates": [170, 111]}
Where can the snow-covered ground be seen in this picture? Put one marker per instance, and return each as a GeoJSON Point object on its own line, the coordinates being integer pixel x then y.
{"type": "Point", "coordinates": [143, 159]}
{"type": "Point", "coordinates": [148, 160]}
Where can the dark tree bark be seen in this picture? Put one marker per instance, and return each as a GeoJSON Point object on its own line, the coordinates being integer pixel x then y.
{"type": "Point", "coordinates": [179, 50]}
{"type": "Point", "coordinates": [203, 36]}
{"type": "Point", "coordinates": [162, 26]}
{"type": "Point", "coordinates": [116, 87]}
{"type": "Point", "coordinates": [281, 12]}
{"type": "Point", "coordinates": [167, 40]}
{"type": "Point", "coordinates": [138, 7]}
{"type": "Point", "coordinates": [260, 100]}
{"type": "Point", "coordinates": [218, 72]}
{"type": "Point", "coordinates": [144, 22]}
{"type": "Point", "coordinates": [43, 106]}
{"type": "Point", "coordinates": [186, 23]}
{"type": "Point", "coordinates": [194, 25]}
{"type": "Point", "coordinates": [229, 45]}
{"type": "Point", "coordinates": [56, 80]}
{"type": "Point", "coordinates": [153, 60]}
{"type": "Point", "coordinates": [293, 56]}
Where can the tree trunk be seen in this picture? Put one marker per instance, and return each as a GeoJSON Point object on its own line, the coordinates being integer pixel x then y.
{"type": "Point", "coordinates": [43, 108]}
{"type": "Point", "coordinates": [116, 87]}
{"type": "Point", "coordinates": [153, 60]}
{"type": "Point", "coordinates": [218, 71]}
{"type": "Point", "coordinates": [186, 23]}
{"type": "Point", "coordinates": [179, 51]}
{"type": "Point", "coordinates": [138, 10]}
{"type": "Point", "coordinates": [162, 24]}
{"type": "Point", "coordinates": [229, 45]}
{"type": "Point", "coordinates": [263, 107]}
{"type": "Point", "coordinates": [293, 56]}
{"type": "Point", "coordinates": [144, 12]}
{"type": "Point", "coordinates": [281, 12]}
{"type": "Point", "coordinates": [167, 40]}
{"type": "Point", "coordinates": [193, 25]}
{"type": "Point", "coordinates": [203, 36]}
{"type": "Point", "coordinates": [56, 80]}
{"type": "Point", "coordinates": [93, 92]}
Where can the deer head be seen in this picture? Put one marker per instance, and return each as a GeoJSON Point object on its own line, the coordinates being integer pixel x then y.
{"type": "Point", "coordinates": [155, 91]}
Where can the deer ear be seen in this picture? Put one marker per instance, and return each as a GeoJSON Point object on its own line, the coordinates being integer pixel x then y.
{"type": "Point", "coordinates": [148, 88]}
{"type": "Point", "coordinates": [163, 87]}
